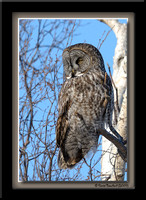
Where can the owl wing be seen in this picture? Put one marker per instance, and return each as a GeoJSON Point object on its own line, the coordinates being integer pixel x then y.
{"type": "Point", "coordinates": [107, 85]}
{"type": "Point", "coordinates": [62, 126]}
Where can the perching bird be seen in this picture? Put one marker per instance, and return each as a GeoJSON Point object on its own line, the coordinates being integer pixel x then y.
{"type": "Point", "coordinates": [85, 103]}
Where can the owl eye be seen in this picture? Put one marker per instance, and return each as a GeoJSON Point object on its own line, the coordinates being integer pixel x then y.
{"type": "Point", "coordinates": [79, 61]}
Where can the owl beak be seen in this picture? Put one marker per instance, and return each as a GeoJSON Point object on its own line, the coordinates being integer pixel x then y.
{"type": "Point", "coordinates": [73, 73]}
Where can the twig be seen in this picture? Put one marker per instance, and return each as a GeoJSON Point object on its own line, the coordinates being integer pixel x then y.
{"type": "Point", "coordinates": [106, 36]}
{"type": "Point", "coordinates": [100, 40]}
{"type": "Point", "coordinates": [71, 33]}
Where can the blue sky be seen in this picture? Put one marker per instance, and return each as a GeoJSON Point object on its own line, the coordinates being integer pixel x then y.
{"type": "Point", "coordinates": [90, 31]}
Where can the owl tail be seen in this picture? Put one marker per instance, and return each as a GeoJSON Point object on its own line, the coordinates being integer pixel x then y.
{"type": "Point", "coordinates": [65, 164]}
{"type": "Point", "coordinates": [61, 162]}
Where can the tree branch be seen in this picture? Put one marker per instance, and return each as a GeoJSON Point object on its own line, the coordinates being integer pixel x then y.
{"type": "Point", "coordinates": [122, 149]}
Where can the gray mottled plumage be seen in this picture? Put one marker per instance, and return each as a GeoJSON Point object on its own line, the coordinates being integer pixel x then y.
{"type": "Point", "coordinates": [85, 103]}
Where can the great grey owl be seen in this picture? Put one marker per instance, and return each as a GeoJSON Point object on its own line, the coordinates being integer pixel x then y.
{"type": "Point", "coordinates": [85, 103]}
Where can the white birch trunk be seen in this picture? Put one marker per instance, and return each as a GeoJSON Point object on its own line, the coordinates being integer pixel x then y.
{"type": "Point", "coordinates": [112, 165]}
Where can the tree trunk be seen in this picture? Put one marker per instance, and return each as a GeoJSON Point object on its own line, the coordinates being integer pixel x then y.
{"type": "Point", "coordinates": [112, 165]}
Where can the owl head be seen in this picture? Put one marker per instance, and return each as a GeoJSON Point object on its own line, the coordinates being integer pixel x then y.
{"type": "Point", "coordinates": [81, 58]}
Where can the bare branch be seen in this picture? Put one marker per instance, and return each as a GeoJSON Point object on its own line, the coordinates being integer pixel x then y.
{"type": "Point", "coordinates": [105, 37]}
{"type": "Point", "coordinates": [116, 142]}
